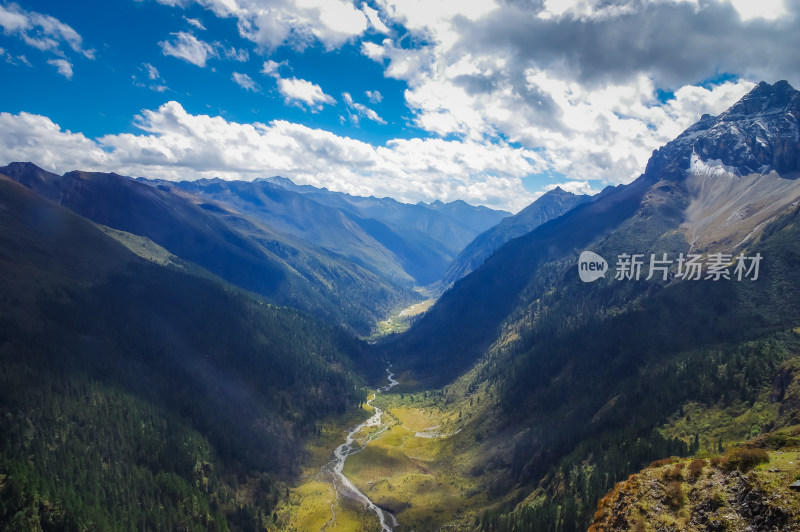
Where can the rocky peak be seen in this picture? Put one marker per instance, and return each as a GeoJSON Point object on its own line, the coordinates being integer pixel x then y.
{"type": "Point", "coordinates": [764, 99]}
{"type": "Point", "coordinates": [758, 134]}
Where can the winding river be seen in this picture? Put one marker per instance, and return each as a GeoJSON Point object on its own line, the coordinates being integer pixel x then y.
{"type": "Point", "coordinates": [344, 487]}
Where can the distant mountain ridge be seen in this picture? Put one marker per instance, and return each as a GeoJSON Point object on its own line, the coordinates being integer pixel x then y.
{"type": "Point", "coordinates": [226, 243]}
{"type": "Point", "coordinates": [404, 243]}
{"type": "Point", "coordinates": [548, 206]}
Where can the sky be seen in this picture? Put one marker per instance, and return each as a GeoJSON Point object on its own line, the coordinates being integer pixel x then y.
{"type": "Point", "coordinates": [492, 102]}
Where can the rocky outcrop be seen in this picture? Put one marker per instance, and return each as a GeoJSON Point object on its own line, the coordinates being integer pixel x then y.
{"type": "Point", "coordinates": [759, 134]}
{"type": "Point", "coordinates": [715, 500]}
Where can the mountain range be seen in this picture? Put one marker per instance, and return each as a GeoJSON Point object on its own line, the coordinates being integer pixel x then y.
{"type": "Point", "coordinates": [179, 343]}
{"type": "Point", "coordinates": [550, 205]}
{"type": "Point", "coordinates": [583, 370]}
{"type": "Point", "coordinates": [143, 392]}
{"type": "Point", "coordinates": [404, 244]}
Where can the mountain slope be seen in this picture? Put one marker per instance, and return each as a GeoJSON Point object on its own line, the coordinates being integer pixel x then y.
{"type": "Point", "coordinates": [295, 214]}
{"type": "Point", "coordinates": [584, 374]}
{"type": "Point", "coordinates": [142, 396]}
{"type": "Point", "coordinates": [649, 215]}
{"type": "Point", "coordinates": [425, 238]}
{"type": "Point", "coordinates": [550, 205]}
{"type": "Point", "coordinates": [234, 247]}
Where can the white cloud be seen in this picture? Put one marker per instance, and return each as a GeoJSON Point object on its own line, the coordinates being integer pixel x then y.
{"type": "Point", "coordinates": [271, 67]}
{"type": "Point", "coordinates": [596, 9]}
{"type": "Point", "coordinates": [271, 24]}
{"type": "Point", "coordinates": [765, 9]}
{"type": "Point", "coordinates": [584, 9]}
{"type": "Point", "coordinates": [195, 22]}
{"type": "Point", "coordinates": [374, 96]}
{"type": "Point", "coordinates": [153, 76]}
{"type": "Point", "coordinates": [374, 19]}
{"type": "Point", "coordinates": [187, 47]}
{"type": "Point", "coordinates": [14, 20]}
{"type": "Point", "coordinates": [576, 187]}
{"type": "Point", "coordinates": [10, 59]}
{"type": "Point", "coordinates": [43, 32]}
{"type": "Point", "coordinates": [245, 82]}
{"type": "Point", "coordinates": [360, 110]}
{"type": "Point", "coordinates": [152, 72]}
{"type": "Point", "coordinates": [29, 137]}
{"type": "Point", "coordinates": [63, 66]}
{"type": "Point", "coordinates": [177, 145]}
{"type": "Point", "coordinates": [562, 77]}
{"type": "Point", "coordinates": [240, 55]}
{"type": "Point", "coordinates": [302, 92]}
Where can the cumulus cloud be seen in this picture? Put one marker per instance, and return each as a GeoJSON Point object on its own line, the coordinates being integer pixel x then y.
{"type": "Point", "coordinates": [271, 67]}
{"type": "Point", "coordinates": [63, 66]}
{"type": "Point", "coordinates": [29, 137]}
{"type": "Point", "coordinates": [506, 89]}
{"type": "Point", "coordinates": [676, 43]}
{"type": "Point", "coordinates": [245, 82]}
{"type": "Point", "coordinates": [174, 144]}
{"type": "Point", "coordinates": [582, 81]}
{"type": "Point", "coordinates": [303, 93]}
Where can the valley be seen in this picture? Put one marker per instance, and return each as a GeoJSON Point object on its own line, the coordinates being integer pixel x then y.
{"type": "Point", "coordinates": [221, 350]}
{"type": "Point", "coordinates": [399, 320]}
{"type": "Point", "coordinates": [410, 466]}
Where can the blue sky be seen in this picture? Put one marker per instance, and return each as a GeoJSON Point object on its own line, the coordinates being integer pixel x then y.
{"type": "Point", "coordinates": [102, 95]}
{"type": "Point", "coordinates": [488, 101]}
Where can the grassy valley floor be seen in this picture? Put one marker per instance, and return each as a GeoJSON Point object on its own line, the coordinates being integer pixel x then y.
{"type": "Point", "coordinates": [421, 468]}
{"type": "Point", "coordinates": [401, 320]}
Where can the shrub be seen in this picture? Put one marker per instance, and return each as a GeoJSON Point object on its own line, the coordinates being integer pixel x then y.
{"type": "Point", "coordinates": [743, 458]}
{"type": "Point", "coordinates": [674, 472]}
{"type": "Point", "coordinates": [665, 461]}
{"type": "Point", "coordinates": [695, 468]}
{"type": "Point", "coordinates": [674, 491]}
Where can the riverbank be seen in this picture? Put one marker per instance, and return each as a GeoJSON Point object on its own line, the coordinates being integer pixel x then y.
{"type": "Point", "coordinates": [328, 500]}
{"type": "Point", "coordinates": [426, 467]}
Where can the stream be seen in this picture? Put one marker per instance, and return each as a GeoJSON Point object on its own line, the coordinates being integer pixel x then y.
{"type": "Point", "coordinates": [344, 487]}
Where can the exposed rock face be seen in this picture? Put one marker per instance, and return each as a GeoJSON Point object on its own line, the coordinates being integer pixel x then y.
{"type": "Point", "coordinates": [755, 505]}
{"type": "Point", "coordinates": [718, 500]}
{"type": "Point", "coordinates": [758, 134]}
